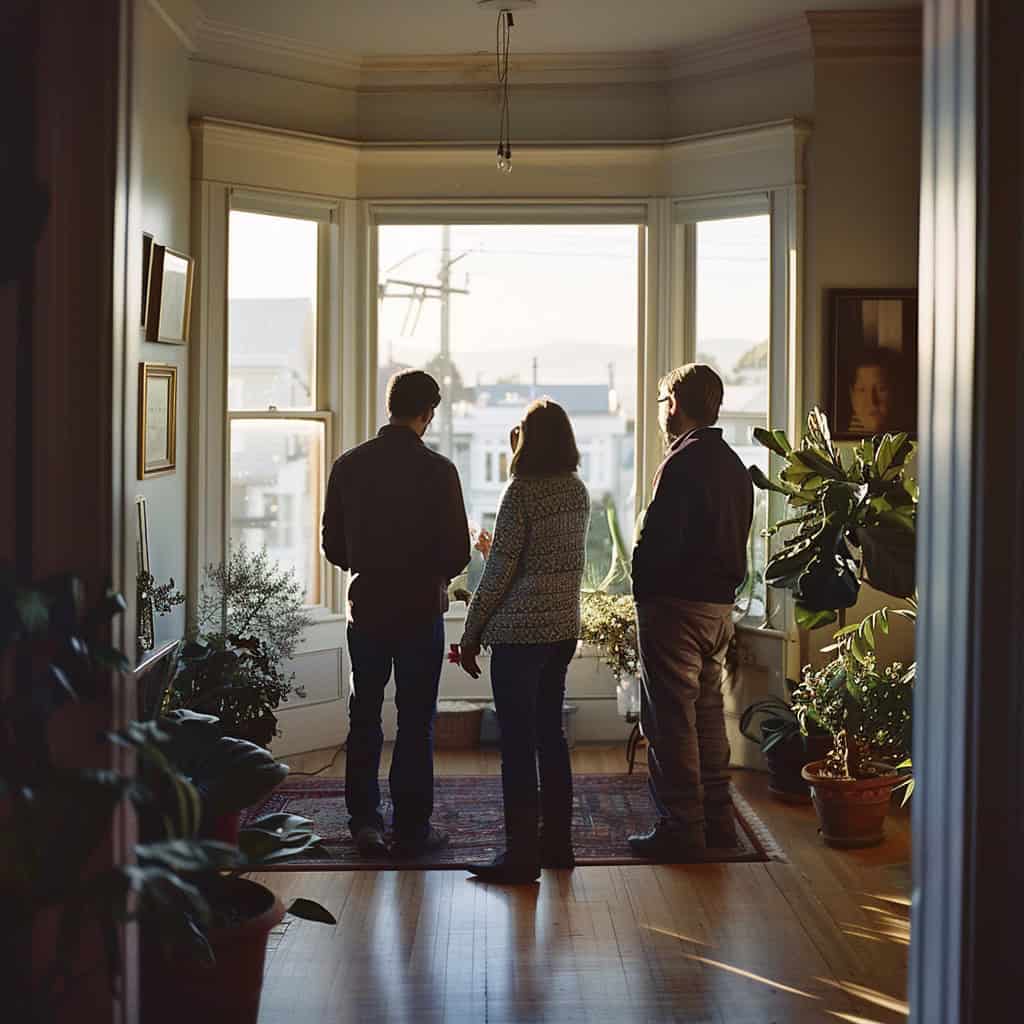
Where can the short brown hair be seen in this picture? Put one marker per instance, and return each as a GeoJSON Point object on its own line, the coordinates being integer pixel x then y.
{"type": "Point", "coordinates": [698, 390]}
{"type": "Point", "coordinates": [546, 445]}
{"type": "Point", "coordinates": [412, 393]}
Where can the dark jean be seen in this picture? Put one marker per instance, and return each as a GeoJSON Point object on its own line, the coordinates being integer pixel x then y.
{"type": "Point", "coordinates": [417, 658]}
{"type": "Point", "coordinates": [529, 689]}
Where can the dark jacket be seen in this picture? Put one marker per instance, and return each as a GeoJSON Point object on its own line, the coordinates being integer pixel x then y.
{"type": "Point", "coordinates": [693, 542]}
{"type": "Point", "coordinates": [394, 516]}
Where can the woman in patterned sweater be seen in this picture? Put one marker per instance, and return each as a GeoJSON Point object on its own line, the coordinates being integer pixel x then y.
{"type": "Point", "coordinates": [527, 610]}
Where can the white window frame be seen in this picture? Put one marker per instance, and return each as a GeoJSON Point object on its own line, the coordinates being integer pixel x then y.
{"type": "Point", "coordinates": [784, 207]}
{"type": "Point", "coordinates": [384, 214]}
{"type": "Point", "coordinates": [211, 526]}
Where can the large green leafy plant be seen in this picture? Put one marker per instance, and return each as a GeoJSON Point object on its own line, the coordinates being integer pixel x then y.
{"type": "Point", "coordinates": [249, 621]}
{"type": "Point", "coordinates": [842, 502]}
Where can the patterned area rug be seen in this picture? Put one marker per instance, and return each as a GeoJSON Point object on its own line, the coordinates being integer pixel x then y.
{"type": "Point", "coordinates": [606, 809]}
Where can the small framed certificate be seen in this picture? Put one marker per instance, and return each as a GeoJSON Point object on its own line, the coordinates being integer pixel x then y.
{"type": "Point", "coordinates": [169, 296]}
{"type": "Point", "coordinates": [158, 399]}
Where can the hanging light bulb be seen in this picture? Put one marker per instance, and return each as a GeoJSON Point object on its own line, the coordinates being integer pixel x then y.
{"type": "Point", "coordinates": [503, 49]}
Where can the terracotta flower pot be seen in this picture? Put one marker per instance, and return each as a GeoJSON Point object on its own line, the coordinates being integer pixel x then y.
{"type": "Point", "coordinates": [851, 812]}
{"type": "Point", "coordinates": [179, 989]}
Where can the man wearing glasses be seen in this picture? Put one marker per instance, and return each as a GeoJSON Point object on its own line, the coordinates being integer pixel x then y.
{"type": "Point", "coordinates": [690, 558]}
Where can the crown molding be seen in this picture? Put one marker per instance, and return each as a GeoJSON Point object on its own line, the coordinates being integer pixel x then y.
{"type": "Point", "coordinates": [754, 158]}
{"type": "Point", "coordinates": [788, 39]}
{"type": "Point", "coordinates": [220, 43]}
{"type": "Point", "coordinates": [865, 34]}
{"type": "Point", "coordinates": [181, 17]}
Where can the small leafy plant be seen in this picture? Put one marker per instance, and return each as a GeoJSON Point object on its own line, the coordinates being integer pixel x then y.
{"type": "Point", "coordinates": [608, 621]}
{"type": "Point", "coordinates": [607, 610]}
{"type": "Point", "coordinates": [866, 708]}
{"type": "Point", "coordinates": [249, 622]}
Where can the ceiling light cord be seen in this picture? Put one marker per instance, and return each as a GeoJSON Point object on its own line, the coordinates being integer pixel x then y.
{"type": "Point", "coordinates": [502, 49]}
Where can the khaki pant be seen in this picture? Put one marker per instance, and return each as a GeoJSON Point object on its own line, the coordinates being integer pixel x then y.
{"type": "Point", "coordinates": [683, 646]}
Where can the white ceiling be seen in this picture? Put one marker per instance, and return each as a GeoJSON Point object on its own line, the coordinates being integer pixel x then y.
{"type": "Point", "coordinates": [363, 28]}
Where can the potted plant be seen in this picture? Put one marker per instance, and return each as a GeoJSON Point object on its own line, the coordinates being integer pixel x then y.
{"type": "Point", "coordinates": [63, 911]}
{"type": "Point", "coordinates": [218, 919]}
{"type": "Point", "coordinates": [773, 725]}
{"type": "Point", "coordinates": [866, 710]}
{"type": "Point", "coordinates": [608, 620]}
{"type": "Point", "coordinates": [249, 621]}
{"type": "Point", "coordinates": [842, 502]}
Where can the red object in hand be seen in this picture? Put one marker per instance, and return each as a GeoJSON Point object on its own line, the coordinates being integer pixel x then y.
{"type": "Point", "coordinates": [453, 654]}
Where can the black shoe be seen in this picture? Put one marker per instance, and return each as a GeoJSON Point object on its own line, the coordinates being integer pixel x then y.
{"type": "Point", "coordinates": [435, 839]}
{"type": "Point", "coordinates": [505, 871]}
{"type": "Point", "coordinates": [370, 842]}
{"type": "Point", "coordinates": [670, 845]}
{"type": "Point", "coordinates": [557, 855]}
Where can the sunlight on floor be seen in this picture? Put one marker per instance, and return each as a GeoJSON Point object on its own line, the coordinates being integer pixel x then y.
{"type": "Point", "coordinates": [752, 977]}
{"type": "Point", "coordinates": [869, 995]}
{"type": "Point", "coordinates": [672, 935]}
{"type": "Point", "coordinates": [853, 1018]}
{"type": "Point", "coordinates": [902, 901]}
{"type": "Point", "coordinates": [859, 931]}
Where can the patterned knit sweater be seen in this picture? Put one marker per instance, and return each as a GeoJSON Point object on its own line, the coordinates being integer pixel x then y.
{"type": "Point", "coordinates": [530, 590]}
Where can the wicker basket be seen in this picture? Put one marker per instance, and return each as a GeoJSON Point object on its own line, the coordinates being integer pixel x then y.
{"type": "Point", "coordinates": [457, 725]}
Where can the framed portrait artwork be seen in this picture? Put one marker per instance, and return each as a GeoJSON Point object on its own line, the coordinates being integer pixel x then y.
{"type": "Point", "coordinates": [873, 342]}
{"type": "Point", "coordinates": [158, 399]}
{"type": "Point", "coordinates": [169, 308]}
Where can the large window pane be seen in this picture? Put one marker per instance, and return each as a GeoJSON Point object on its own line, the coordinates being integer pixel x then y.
{"type": "Point", "coordinates": [733, 327]}
{"type": "Point", "coordinates": [272, 288]}
{"type": "Point", "coordinates": [501, 314]}
{"type": "Point", "coordinates": [276, 493]}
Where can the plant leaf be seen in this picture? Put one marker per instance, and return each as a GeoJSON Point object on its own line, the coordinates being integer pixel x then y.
{"type": "Point", "coordinates": [774, 440]}
{"type": "Point", "coordinates": [309, 910]}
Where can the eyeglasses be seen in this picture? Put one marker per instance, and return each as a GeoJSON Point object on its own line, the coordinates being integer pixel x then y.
{"type": "Point", "coordinates": [664, 398]}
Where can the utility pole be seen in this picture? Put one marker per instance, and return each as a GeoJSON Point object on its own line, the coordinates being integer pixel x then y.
{"type": "Point", "coordinates": [444, 279]}
{"type": "Point", "coordinates": [417, 292]}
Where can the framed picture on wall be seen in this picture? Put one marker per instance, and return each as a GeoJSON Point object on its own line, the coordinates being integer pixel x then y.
{"type": "Point", "coordinates": [147, 265]}
{"type": "Point", "coordinates": [158, 399]}
{"type": "Point", "coordinates": [170, 296]}
{"type": "Point", "coordinates": [144, 605]}
{"type": "Point", "coordinates": [873, 347]}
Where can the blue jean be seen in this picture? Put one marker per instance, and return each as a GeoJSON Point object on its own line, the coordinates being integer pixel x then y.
{"type": "Point", "coordinates": [529, 688]}
{"type": "Point", "coordinates": [417, 658]}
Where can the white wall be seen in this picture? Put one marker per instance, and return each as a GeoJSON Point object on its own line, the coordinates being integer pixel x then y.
{"type": "Point", "coordinates": [863, 168]}
{"type": "Point", "coordinates": [166, 201]}
{"type": "Point", "coordinates": [749, 96]}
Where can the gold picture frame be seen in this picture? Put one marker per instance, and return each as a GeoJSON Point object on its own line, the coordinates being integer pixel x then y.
{"type": "Point", "coordinates": [169, 309]}
{"type": "Point", "coordinates": [158, 402]}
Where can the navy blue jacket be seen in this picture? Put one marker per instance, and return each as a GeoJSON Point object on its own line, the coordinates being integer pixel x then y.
{"type": "Point", "coordinates": [693, 541]}
{"type": "Point", "coordinates": [394, 516]}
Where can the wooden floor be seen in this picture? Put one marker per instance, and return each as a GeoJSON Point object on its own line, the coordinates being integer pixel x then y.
{"type": "Point", "coordinates": [823, 937]}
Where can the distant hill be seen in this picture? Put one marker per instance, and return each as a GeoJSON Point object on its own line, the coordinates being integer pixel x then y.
{"type": "Point", "coordinates": [572, 362]}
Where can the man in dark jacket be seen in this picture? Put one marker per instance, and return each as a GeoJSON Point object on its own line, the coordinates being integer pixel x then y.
{"type": "Point", "coordinates": [690, 557]}
{"type": "Point", "coordinates": [395, 518]}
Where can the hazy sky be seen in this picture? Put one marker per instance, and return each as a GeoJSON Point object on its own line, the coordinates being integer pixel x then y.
{"type": "Point", "coordinates": [566, 294]}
